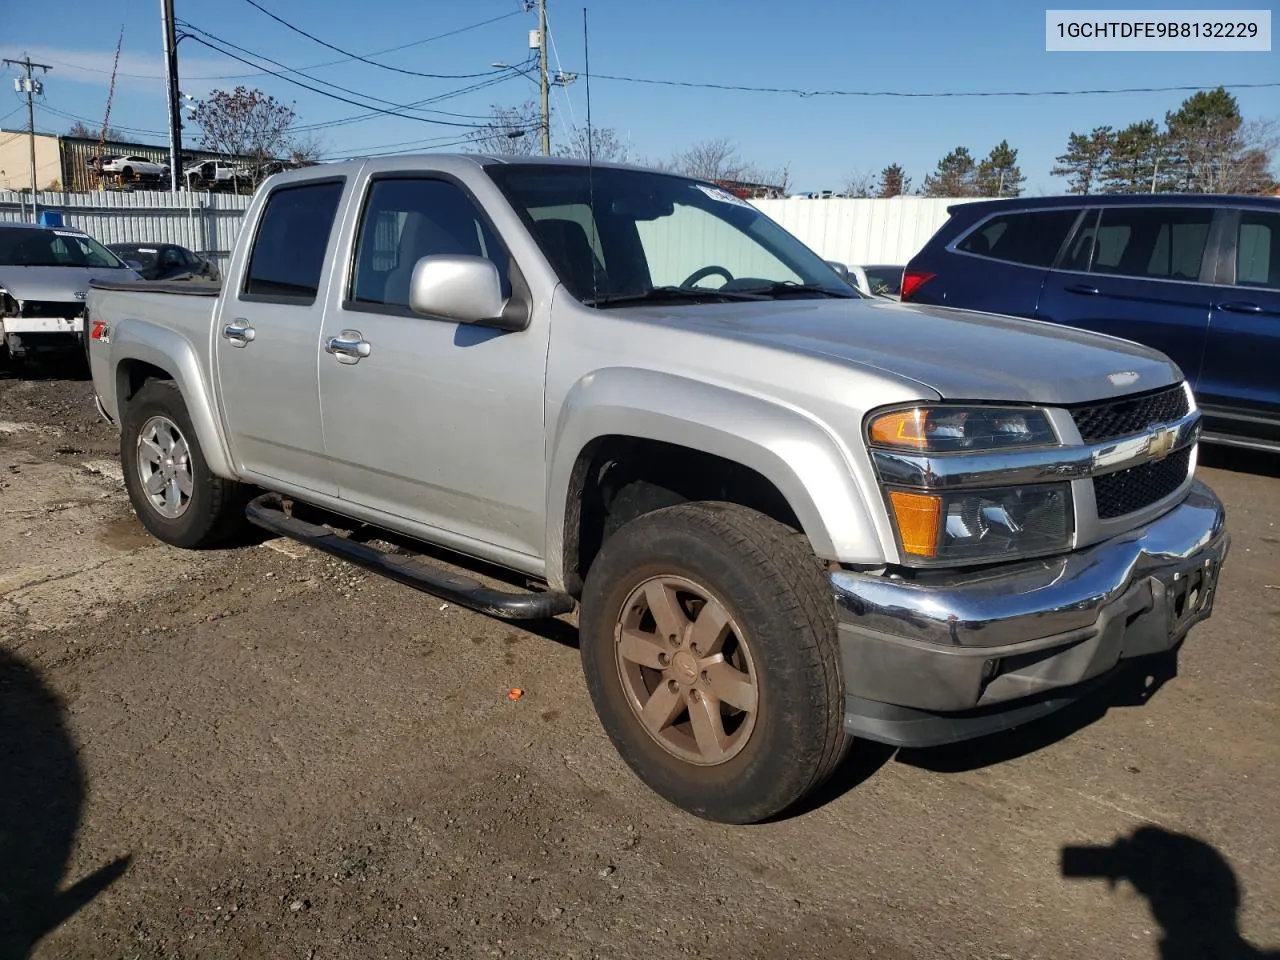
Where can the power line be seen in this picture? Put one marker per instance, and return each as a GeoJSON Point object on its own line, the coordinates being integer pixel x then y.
{"type": "Point", "coordinates": [347, 90]}
{"type": "Point", "coordinates": [314, 66]}
{"type": "Point", "coordinates": [325, 93]}
{"type": "Point", "coordinates": [356, 56]}
{"type": "Point", "coordinates": [796, 91]}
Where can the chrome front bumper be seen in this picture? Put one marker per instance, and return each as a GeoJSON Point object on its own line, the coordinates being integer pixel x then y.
{"type": "Point", "coordinates": [946, 643]}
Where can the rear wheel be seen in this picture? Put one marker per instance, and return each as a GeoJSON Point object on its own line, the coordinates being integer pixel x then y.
{"type": "Point", "coordinates": [177, 498]}
{"type": "Point", "coordinates": [708, 641]}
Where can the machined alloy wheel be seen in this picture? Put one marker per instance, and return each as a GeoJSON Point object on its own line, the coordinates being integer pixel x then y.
{"type": "Point", "coordinates": [686, 670]}
{"type": "Point", "coordinates": [164, 467]}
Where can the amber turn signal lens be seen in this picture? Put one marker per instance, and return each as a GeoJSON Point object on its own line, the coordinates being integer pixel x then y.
{"type": "Point", "coordinates": [917, 515]}
{"type": "Point", "coordinates": [903, 428]}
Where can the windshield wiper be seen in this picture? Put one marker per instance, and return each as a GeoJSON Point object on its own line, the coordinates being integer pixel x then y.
{"type": "Point", "coordinates": [674, 294]}
{"type": "Point", "coordinates": [784, 287]}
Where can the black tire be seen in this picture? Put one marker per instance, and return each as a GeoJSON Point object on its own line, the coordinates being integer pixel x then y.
{"type": "Point", "coordinates": [215, 511]}
{"type": "Point", "coordinates": [767, 578]}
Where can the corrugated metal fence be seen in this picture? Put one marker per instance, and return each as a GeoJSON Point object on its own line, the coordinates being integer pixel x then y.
{"type": "Point", "coordinates": [204, 222]}
{"type": "Point", "coordinates": [862, 231]}
{"type": "Point", "coordinates": [851, 231]}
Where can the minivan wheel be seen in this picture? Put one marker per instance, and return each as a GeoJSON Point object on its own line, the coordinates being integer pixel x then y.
{"type": "Point", "coordinates": [708, 641]}
{"type": "Point", "coordinates": [177, 498]}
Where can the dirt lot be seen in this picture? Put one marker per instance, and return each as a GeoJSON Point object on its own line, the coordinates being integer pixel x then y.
{"type": "Point", "coordinates": [261, 752]}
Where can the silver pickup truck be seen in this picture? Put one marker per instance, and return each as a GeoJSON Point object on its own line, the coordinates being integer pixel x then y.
{"type": "Point", "coordinates": [788, 515]}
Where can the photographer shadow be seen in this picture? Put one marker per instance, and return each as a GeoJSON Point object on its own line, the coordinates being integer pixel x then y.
{"type": "Point", "coordinates": [42, 792]}
{"type": "Point", "coordinates": [1192, 891]}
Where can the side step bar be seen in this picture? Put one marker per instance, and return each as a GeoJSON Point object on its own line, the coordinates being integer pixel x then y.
{"type": "Point", "coordinates": [267, 512]}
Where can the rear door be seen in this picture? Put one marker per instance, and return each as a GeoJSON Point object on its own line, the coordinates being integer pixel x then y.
{"type": "Point", "coordinates": [1000, 264]}
{"type": "Point", "coordinates": [267, 338]}
{"type": "Point", "coordinates": [1240, 380]}
{"type": "Point", "coordinates": [1139, 272]}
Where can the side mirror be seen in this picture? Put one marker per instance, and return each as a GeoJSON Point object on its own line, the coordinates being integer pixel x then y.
{"type": "Point", "coordinates": [839, 268]}
{"type": "Point", "coordinates": [462, 288]}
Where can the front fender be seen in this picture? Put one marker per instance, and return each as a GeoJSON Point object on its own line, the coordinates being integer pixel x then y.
{"type": "Point", "coordinates": [787, 446]}
{"type": "Point", "coordinates": [171, 352]}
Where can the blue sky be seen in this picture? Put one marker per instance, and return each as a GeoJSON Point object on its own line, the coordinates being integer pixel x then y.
{"type": "Point", "coordinates": [912, 45]}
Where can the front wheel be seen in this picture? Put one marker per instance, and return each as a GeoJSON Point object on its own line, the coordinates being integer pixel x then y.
{"type": "Point", "coordinates": [177, 498]}
{"type": "Point", "coordinates": [708, 641]}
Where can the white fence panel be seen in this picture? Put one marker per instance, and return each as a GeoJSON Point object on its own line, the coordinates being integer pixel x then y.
{"type": "Point", "coordinates": [204, 222]}
{"type": "Point", "coordinates": [862, 231]}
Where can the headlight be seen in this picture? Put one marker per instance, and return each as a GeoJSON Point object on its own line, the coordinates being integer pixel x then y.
{"type": "Point", "coordinates": [946, 429]}
{"type": "Point", "coordinates": [981, 526]}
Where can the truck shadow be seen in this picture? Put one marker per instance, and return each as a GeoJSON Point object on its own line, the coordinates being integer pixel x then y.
{"type": "Point", "coordinates": [1191, 889]}
{"type": "Point", "coordinates": [60, 365]}
{"type": "Point", "coordinates": [1239, 460]}
{"type": "Point", "coordinates": [42, 793]}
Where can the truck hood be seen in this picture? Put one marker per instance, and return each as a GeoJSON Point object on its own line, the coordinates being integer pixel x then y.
{"type": "Point", "coordinates": [960, 354]}
{"type": "Point", "coordinates": [55, 283]}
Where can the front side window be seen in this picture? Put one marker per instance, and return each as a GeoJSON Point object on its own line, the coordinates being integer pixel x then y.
{"type": "Point", "coordinates": [1148, 242]}
{"type": "Point", "coordinates": [1258, 250]}
{"type": "Point", "coordinates": [406, 219]}
{"type": "Point", "coordinates": [615, 236]}
{"type": "Point", "coordinates": [293, 235]}
{"type": "Point", "coordinates": [1028, 238]}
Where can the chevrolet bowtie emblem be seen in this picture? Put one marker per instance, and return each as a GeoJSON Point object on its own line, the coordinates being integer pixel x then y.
{"type": "Point", "coordinates": [1162, 442]}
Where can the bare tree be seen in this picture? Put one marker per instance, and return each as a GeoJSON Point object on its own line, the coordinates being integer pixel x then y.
{"type": "Point", "coordinates": [512, 131]}
{"type": "Point", "coordinates": [85, 132]}
{"type": "Point", "coordinates": [859, 184]}
{"type": "Point", "coordinates": [246, 123]}
{"type": "Point", "coordinates": [602, 144]}
{"type": "Point", "coordinates": [710, 160]}
{"type": "Point", "coordinates": [308, 149]}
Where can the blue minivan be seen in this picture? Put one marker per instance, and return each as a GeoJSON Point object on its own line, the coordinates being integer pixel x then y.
{"type": "Point", "coordinates": [1195, 276]}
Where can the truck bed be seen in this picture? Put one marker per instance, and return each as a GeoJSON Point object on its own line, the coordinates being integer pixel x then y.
{"type": "Point", "coordinates": [186, 288]}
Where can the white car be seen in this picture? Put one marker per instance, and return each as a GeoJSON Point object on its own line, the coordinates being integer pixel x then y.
{"type": "Point", "coordinates": [217, 171]}
{"type": "Point", "coordinates": [135, 166]}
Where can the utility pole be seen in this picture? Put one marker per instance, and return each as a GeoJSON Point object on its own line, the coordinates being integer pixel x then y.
{"type": "Point", "coordinates": [544, 84]}
{"type": "Point", "coordinates": [30, 86]}
{"type": "Point", "coordinates": [171, 81]}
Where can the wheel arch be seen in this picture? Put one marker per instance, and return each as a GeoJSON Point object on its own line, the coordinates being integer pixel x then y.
{"type": "Point", "coordinates": [143, 351]}
{"type": "Point", "coordinates": [795, 455]}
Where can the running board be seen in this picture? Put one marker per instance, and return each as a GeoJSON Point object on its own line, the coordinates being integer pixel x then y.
{"type": "Point", "coordinates": [267, 512]}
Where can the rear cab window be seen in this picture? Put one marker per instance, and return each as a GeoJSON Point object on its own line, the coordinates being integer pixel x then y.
{"type": "Point", "coordinates": [1030, 238]}
{"type": "Point", "coordinates": [288, 254]}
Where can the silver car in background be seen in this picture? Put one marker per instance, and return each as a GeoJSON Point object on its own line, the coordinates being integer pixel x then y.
{"type": "Point", "coordinates": [44, 277]}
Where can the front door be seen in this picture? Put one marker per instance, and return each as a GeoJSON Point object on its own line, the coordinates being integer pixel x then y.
{"type": "Point", "coordinates": [438, 423]}
{"type": "Point", "coordinates": [267, 338]}
{"type": "Point", "coordinates": [1136, 272]}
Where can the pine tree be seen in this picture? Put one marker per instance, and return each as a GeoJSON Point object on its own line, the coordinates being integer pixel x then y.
{"type": "Point", "coordinates": [1084, 160]}
{"type": "Point", "coordinates": [999, 175]}
{"type": "Point", "coordinates": [954, 176]}
{"type": "Point", "coordinates": [894, 181]}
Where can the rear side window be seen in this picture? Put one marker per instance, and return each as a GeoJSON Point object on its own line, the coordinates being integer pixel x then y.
{"type": "Point", "coordinates": [1150, 242]}
{"type": "Point", "coordinates": [1031, 238]}
{"type": "Point", "coordinates": [1258, 250]}
{"type": "Point", "coordinates": [288, 252]}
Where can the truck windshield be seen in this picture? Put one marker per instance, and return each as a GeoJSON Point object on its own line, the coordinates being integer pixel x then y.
{"type": "Point", "coordinates": [622, 237]}
{"type": "Point", "coordinates": [30, 247]}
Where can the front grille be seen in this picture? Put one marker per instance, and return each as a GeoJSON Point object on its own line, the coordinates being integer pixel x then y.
{"type": "Point", "coordinates": [52, 308]}
{"type": "Point", "coordinates": [1126, 491]}
{"type": "Point", "coordinates": [1098, 422]}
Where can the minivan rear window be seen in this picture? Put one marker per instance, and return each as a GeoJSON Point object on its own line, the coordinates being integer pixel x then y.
{"type": "Point", "coordinates": [1031, 238]}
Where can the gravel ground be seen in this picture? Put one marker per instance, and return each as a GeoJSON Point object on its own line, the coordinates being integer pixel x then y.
{"type": "Point", "coordinates": [261, 752]}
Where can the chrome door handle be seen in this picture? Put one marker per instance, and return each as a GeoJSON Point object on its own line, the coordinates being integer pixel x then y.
{"type": "Point", "coordinates": [1240, 306]}
{"type": "Point", "coordinates": [239, 333]}
{"type": "Point", "coordinates": [349, 346]}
